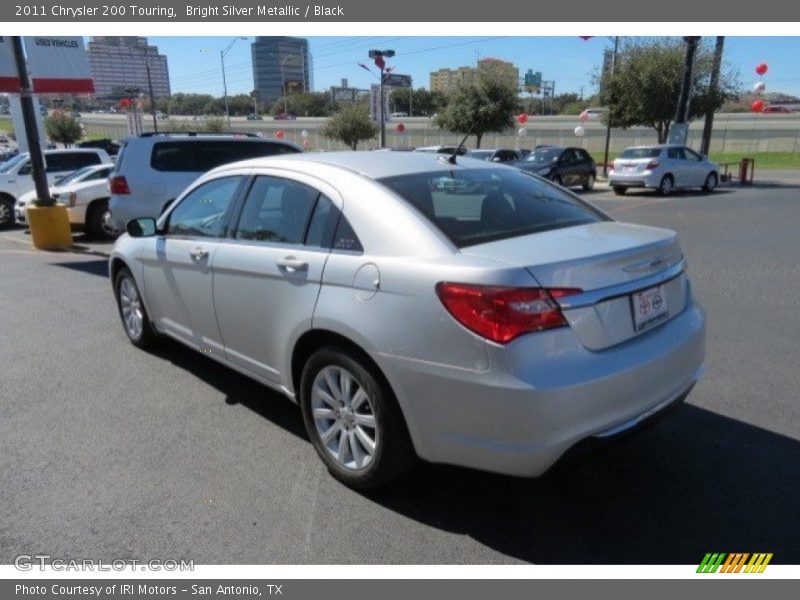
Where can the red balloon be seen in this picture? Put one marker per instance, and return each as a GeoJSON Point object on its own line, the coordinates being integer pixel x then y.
{"type": "Point", "coordinates": [125, 103]}
{"type": "Point", "coordinates": [400, 128]}
{"type": "Point", "coordinates": [762, 68]}
{"type": "Point", "coordinates": [757, 106]}
{"type": "Point", "coordinates": [522, 119]}
{"type": "Point", "coordinates": [280, 134]}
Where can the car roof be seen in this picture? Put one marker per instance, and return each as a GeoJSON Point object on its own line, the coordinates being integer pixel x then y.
{"type": "Point", "coordinates": [65, 150]}
{"type": "Point", "coordinates": [375, 165]}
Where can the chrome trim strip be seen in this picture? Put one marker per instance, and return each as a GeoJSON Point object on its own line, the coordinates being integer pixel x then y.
{"type": "Point", "coordinates": [623, 289]}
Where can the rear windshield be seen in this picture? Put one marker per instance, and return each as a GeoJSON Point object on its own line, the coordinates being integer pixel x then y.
{"type": "Point", "coordinates": [482, 205]}
{"type": "Point", "coordinates": [640, 153]}
{"type": "Point", "coordinates": [205, 155]}
{"type": "Point", "coordinates": [544, 155]}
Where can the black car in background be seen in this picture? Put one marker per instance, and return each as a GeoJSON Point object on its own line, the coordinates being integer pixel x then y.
{"type": "Point", "coordinates": [566, 166]}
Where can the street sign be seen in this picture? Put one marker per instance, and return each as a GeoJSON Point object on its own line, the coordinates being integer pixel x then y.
{"type": "Point", "coordinates": [374, 103]}
{"type": "Point", "coordinates": [397, 80]}
{"type": "Point", "coordinates": [533, 81]}
{"type": "Point", "coordinates": [58, 65]}
{"type": "Point", "coordinates": [9, 80]}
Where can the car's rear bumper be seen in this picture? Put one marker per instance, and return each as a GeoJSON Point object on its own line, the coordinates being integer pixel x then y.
{"type": "Point", "coordinates": [634, 180]}
{"type": "Point", "coordinates": [545, 393]}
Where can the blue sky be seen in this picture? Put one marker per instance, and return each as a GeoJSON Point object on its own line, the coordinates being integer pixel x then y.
{"type": "Point", "coordinates": [194, 61]}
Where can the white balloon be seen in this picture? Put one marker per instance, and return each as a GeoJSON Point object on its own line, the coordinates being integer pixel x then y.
{"type": "Point", "coordinates": [579, 131]}
{"type": "Point", "coordinates": [522, 132]}
{"type": "Point", "coordinates": [760, 87]}
{"type": "Point", "coordinates": [304, 133]}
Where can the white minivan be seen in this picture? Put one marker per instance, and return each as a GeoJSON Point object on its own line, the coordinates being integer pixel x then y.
{"type": "Point", "coordinates": [16, 178]}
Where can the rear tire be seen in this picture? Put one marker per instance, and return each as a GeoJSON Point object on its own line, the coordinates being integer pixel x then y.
{"type": "Point", "coordinates": [667, 185]}
{"type": "Point", "coordinates": [588, 185]}
{"type": "Point", "coordinates": [557, 180]}
{"type": "Point", "coordinates": [711, 183]}
{"type": "Point", "coordinates": [135, 320]}
{"type": "Point", "coordinates": [353, 419]}
{"type": "Point", "coordinates": [6, 211]}
{"type": "Point", "coordinates": [620, 190]}
{"type": "Point", "coordinates": [98, 222]}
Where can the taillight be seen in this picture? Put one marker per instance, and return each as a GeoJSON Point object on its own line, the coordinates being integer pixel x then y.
{"type": "Point", "coordinates": [501, 314]}
{"type": "Point", "coordinates": [653, 164]}
{"type": "Point", "coordinates": [119, 185]}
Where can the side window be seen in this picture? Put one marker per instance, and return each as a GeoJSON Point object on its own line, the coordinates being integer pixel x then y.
{"type": "Point", "coordinates": [691, 155]}
{"type": "Point", "coordinates": [568, 157]}
{"type": "Point", "coordinates": [583, 156]}
{"type": "Point", "coordinates": [276, 210]}
{"type": "Point", "coordinates": [98, 175]}
{"type": "Point", "coordinates": [318, 227]}
{"type": "Point", "coordinates": [55, 163]}
{"type": "Point", "coordinates": [345, 238]}
{"type": "Point", "coordinates": [172, 156]}
{"type": "Point", "coordinates": [676, 153]}
{"type": "Point", "coordinates": [202, 211]}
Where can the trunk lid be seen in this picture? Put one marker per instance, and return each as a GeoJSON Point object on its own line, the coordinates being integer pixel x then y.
{"type": "Point", "coordinates": [599, 257]}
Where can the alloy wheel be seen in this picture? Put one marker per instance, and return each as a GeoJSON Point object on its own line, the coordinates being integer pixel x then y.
{"type": "Point", "coordinates": [131, 306]}
{"type": "Point", "coordinates": [344, 417]}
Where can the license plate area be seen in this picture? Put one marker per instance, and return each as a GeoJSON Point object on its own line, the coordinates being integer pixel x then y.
{"type": "Point", "coordinates": [649, 308]}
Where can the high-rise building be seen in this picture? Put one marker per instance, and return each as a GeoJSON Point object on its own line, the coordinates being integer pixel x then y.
{"type": "Point", "coordinates": [445, 80]}
{"type": "Point", "coordinates": [120, 62]}
{"type": "Point", "coordinates": [281, 65]}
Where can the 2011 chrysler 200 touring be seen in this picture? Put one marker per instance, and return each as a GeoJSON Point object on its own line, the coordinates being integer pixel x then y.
{"type": "Point", "coordinates": [417, 305]}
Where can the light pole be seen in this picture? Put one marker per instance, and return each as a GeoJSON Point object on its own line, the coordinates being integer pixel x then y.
{"type": "Point", "coordinates": [608, 115]}
{"type": "Point", "coordinates": [222, 54]}
{"type": "Point", "coordinates": [378, 56]}
{"type": "Point", "coordinates": [146, 58]}
{"type": "Point", "coordinates": [283, 83]}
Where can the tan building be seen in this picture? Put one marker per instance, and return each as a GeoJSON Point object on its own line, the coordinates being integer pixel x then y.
{"type": "Point", "coordinates": [445, 80]}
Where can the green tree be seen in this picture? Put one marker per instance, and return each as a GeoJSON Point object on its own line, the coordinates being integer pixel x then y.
{"type": "Point", "coordinates": [307, 104]}
{"type": "Point", "coordinates": [350, 125]}
{"type": "Point", "coordinates": [63, 128]}
{"type": "Point", "coordinates": [486, 104]}
{"type": "Point", "coordinates": [421, 102]}
{"type": "Point", "coordinates": [645, 86]}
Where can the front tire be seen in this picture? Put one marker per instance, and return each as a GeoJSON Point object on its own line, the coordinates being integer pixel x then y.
{"type": "Point", "coordinates": [667, 185]}
{"type": "Point", "coordinates": [588, 185]}
{"type": "Point", "coordinates": [353, 419]}
{"type": "Point", "coordinates": [620, 190]}
{"type": "Point", "coordinates": [135, 320]}
{"type": "Point", "coordinates": [711, 183]}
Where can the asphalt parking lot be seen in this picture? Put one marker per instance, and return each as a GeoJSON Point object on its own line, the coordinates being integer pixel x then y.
{"type": "Point", "coordinates": [110, 452]}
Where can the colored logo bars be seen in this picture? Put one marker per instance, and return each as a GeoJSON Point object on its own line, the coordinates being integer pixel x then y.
{"type": "Point", "coordinates": [735, 562]}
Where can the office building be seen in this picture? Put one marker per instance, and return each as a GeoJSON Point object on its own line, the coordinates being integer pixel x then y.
{"type": "Point", "coordinates": [118, 63]}
{"type": "Point", "coordinates": [281, 65]}
{"type": "Point", "coordinates": [445, 80]}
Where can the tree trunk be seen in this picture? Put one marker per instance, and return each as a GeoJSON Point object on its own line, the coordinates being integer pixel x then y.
{"type": "Point", "coordinates": [478, 138]}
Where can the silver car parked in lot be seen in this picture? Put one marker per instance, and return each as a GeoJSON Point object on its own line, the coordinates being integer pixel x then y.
{"type": "Point", "coordinates": [663, 168]}
{"type": "Point", "coordinates": [419, 306]}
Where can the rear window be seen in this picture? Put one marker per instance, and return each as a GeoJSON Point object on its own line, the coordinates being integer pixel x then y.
{"type": "Point", "coordinates": [482, 205]}
{"type": "Point", "coordinates": [200, 156]}
{"type": "Point", "coordinates": [640, 153]}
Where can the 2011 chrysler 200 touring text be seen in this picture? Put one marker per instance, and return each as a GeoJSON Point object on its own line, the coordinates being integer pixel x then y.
{"type": "Point", "coordinates": [463, 312]}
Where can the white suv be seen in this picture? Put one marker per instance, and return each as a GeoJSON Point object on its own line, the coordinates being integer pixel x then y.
{"type": "Point", "coordinates": [154, 168]}
{"type": "Point", "coordinates": [16, 179]}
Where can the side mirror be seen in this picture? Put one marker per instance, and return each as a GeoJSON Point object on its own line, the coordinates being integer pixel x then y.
{"type": "Point", "coordinates": [143, 227]}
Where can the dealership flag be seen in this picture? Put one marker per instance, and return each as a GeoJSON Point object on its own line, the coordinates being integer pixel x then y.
{"type": "Point", "coordinates": [9, 80]}
{"type": "Point", "coordinates": [58, 65]}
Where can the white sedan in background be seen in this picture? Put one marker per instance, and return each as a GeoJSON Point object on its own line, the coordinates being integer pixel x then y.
{"type": "Point", "coordinates": [85, 193]}
{"type": "Point", "coordinates": [663, 168]}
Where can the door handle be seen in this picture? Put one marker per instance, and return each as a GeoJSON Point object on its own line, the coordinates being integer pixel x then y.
{"type": "Point", "coordinates": [198, 253]}
{"type": "Point", "coordinates": [292, 264]}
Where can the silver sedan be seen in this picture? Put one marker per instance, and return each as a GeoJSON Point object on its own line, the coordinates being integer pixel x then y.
{"type": "Point", "coordinates": [663, 168]}
{"type": "Point", "coordinates": [419, 305]}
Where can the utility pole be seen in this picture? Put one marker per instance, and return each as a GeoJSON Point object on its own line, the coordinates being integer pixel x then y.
{"type": "Point", "coordinates": [38, 172]}
{"type": "Point", "coordinates": [378, 56]}
{"type": "Point", "coordinates": [150, 91]}
{"type": "Point", "coordinates": [608, 112]}
{"type": "Point", "coordinates": [713, 88]}
{"type": "Point", "coordinates": [222, 54]}
{"type": "Point", "coordinates": [680, 127]}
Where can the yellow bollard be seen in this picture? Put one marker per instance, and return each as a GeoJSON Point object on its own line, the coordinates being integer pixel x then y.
{"type": "Point", "coordinates": [49, 226]}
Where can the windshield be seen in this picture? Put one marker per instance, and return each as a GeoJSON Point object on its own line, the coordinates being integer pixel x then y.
{"type": "Point", "coordinates": [640, 153]}
{"type": "Point", "coordinates": [474, 206]}
{"type": "Point", "coordinates": [544, 155]}
{"type": "Point", "coordinates": [13, 162]}
{"type": "Point", "coordinates": [74, 176]}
